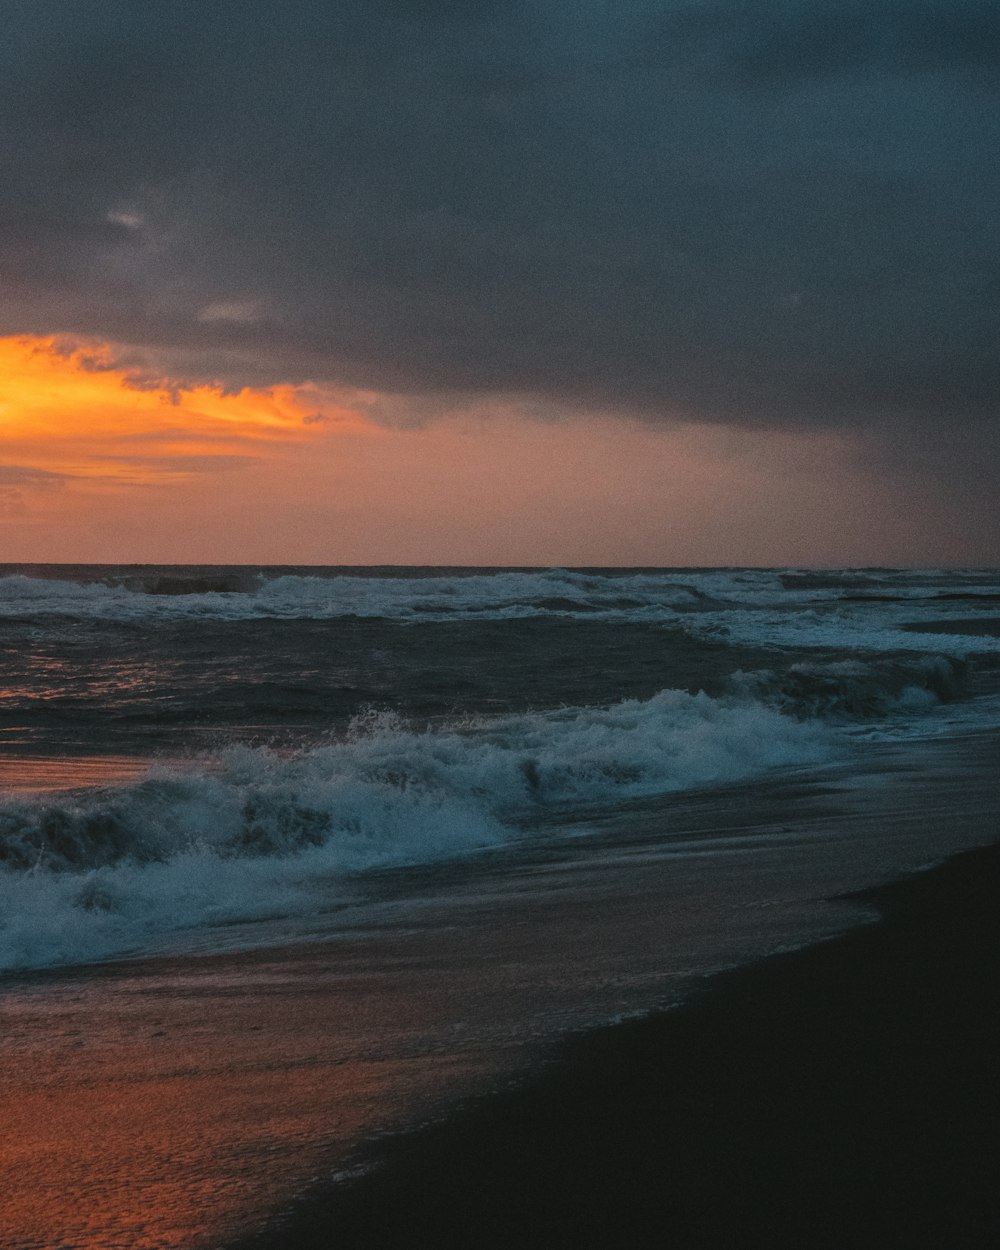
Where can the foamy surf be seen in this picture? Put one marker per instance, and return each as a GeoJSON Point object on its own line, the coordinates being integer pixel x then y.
{"type": "Point", "coordinates": [852, 610]}
{"type": "Point", "coordinates": [250, 833]}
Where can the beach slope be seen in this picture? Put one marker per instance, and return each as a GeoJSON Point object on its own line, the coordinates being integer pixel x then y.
{"type": "Point", "coordinates": [841, 1097]}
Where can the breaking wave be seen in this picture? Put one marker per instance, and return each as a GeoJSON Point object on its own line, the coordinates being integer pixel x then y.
{"type": "Point", "coordinates": [326, 596]}
{"type": "Point", "coordinates": [250, 834]}
{"type": "Point", "coordinates": [856, 689]}
{"type": "Point", "coordinates": [852, 609]}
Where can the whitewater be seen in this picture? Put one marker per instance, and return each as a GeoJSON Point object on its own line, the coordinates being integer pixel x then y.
{"type": "Point", "coordinates": [290, 730]}
{"type": "Point", "coordinates": [293, 857]}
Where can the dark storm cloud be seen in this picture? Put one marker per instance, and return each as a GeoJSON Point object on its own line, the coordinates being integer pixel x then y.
{"type": "Point", "coordinates": [764, 42]}
{"type": "Point", "coordinates": [754, 212]}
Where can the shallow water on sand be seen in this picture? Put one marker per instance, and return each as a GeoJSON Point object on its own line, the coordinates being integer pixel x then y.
{"type": "Point", "coordinates": [172, 1102]}
{"type": "Point", "coordinates": [356, 842]}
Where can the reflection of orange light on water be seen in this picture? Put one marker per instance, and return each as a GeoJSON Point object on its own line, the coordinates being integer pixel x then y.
{"type": "Point", "coordinates": [40, 774]}
{"type": "Point", "coordinates": [74, 411]}
{"type": "Point", "coordinates": [174, 1104]}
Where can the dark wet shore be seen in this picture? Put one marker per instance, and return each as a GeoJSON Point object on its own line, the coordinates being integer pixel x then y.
{"type": "Point", "coordinates": [842, 1097]}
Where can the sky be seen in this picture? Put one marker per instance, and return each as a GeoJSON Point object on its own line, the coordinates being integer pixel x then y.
{"type": "Point", "coordinates": [394, 281]}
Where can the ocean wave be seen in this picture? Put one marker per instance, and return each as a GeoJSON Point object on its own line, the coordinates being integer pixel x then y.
{"type": "Point", "coordinates": [249, 595]}
{"type": "Point", "coordinates": [853, 627]}
{"type": "Point", "coordinates": [854, 688]}
{"type": "Point", "coordinates": [852, 609]}
{"type": "Point", "coordinates": [251, 833]}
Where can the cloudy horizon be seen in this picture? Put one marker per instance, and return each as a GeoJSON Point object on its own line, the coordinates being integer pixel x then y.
{"type": "Point", "coordinates": [695, 282]}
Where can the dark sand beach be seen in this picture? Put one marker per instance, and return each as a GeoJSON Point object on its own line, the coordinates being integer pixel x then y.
{"type": "Point", "coordinates": [846, 1095]}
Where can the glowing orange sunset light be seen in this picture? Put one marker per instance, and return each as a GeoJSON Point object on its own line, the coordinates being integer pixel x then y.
{"type": "Point", "coordinates": [99, 463]}
{"type": "Point", "coordinates": [73, 412]}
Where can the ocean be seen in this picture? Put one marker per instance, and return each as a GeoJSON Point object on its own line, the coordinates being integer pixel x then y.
{"type": "Point", "coordinates": [292, 858]}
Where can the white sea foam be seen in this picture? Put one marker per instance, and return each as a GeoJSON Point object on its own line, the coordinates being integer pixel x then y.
{"type": "Point", "coordinates": [844, 629]}
{"type": "Point", "coordinates": [854, 610]}
{"type": "Point", "coordinates": [493, 595]}
{"type": "Point", "coordinates": [251, 833]}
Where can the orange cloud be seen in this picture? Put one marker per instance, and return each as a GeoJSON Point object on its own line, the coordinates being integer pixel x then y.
{"type": "Point", "coordinates": [100, 463]}
{"type": "Point", "coordinates": [71, 410]}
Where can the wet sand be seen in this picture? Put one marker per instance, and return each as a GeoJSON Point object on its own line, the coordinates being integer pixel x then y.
{"type": "Point", "coordinates": [177, 1101]}
{"type": "Point", "coordinates": [839, 1098]}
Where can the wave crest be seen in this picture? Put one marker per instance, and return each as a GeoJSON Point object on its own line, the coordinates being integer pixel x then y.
{"type": "Point", "coordinates": [856, 689]}
{"type": "Point", "coordinates": [250, 831]}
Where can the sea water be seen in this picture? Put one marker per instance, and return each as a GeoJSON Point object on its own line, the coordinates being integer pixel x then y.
{"type": "Point", "coordinates": [436, 813]}
{"type": "Point", "coordinates": [256, 739]}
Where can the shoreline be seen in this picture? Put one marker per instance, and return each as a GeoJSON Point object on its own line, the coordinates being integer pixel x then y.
{"type": "Point", "coordinates": [845, 1095]}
